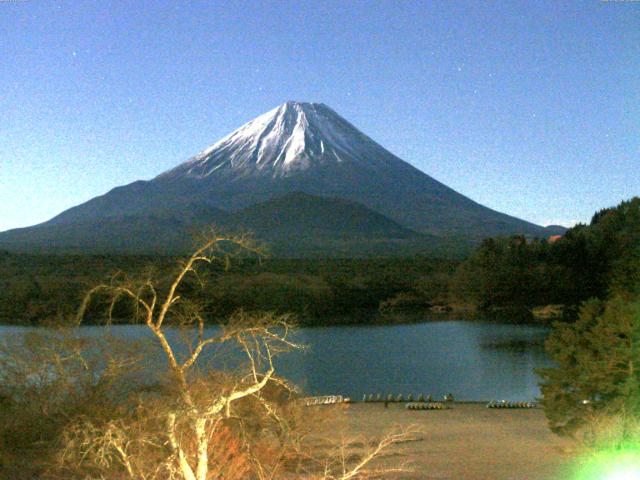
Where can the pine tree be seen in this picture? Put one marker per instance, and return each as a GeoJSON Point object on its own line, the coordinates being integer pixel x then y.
{"type": "Point", "coordinates": [597, 368]}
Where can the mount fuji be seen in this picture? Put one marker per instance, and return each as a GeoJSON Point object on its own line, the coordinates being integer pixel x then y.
{"type": "Point", "coordinates": [298, 174]}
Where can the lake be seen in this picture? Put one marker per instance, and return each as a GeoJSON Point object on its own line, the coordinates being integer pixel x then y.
{"type": "Point", "coordinates": [471, 360]}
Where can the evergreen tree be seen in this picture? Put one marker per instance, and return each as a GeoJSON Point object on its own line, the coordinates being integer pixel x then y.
{"type": "Point", "coordinates": [596, 260]}
{"type": "Point", "coordinates": [597, 368]}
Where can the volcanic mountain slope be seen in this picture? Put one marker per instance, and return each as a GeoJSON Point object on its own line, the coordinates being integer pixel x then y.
{"type": "Point", "coordinates": [296, 224]}
{"type": "Point", "coordinates": [150, 232]}
{"type": "Point", "coordinates": [297, 147]}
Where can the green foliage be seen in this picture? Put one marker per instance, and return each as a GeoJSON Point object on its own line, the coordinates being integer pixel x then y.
{"type": "Point", "coordinates": [616, 237]}
{"type": "Point", "coordinates": [507, 271]}
{"type": "Point", "coordinates": [597, 360]}
{"type": "Point", "coordinates": [597, 260]}
{"type": "Point", "coordinates": [302, 294]}
{"type": "Point", "coordinates": [37, 289]}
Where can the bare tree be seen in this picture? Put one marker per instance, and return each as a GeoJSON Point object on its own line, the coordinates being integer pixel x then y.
{"type": "Point", "coordinates": [185, 435]}
{"type": "Point", "coordinates": [355, 458]}
{"type": "Point", "coordinates": [260, 338]}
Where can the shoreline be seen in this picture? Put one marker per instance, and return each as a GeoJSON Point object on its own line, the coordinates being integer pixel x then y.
{"type": "Point", "coordinates": [378, 320]}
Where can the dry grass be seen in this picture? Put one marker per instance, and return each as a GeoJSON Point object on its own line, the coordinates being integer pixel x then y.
{"type": "Point", "coordinates": [468, 441]}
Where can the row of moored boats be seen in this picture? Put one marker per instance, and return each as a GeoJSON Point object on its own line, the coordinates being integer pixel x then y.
{"type": "Point", "coordinates": [421, 403]}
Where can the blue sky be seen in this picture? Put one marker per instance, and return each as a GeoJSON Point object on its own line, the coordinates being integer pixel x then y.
{"type": "Point", "coordinates": [531, 108]}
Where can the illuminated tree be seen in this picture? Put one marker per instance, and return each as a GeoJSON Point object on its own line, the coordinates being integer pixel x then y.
{"type": "Point", "coordinates": [597, 372]}
{"type": "Point", "coordinates": [206, 424]}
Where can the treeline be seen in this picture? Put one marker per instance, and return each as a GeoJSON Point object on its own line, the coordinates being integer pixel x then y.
{"type": "Point", "coordinates": [510, 275]}
{"type": "Point", "coordinates": [589, 261]}
{"type": "Point", "coordinates": [36, 289]}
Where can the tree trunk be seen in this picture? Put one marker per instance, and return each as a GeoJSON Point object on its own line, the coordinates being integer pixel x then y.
{"type": "Point", "coordinates": [203, 446]}
{"type": "Point", "coordinates": [185, 468]}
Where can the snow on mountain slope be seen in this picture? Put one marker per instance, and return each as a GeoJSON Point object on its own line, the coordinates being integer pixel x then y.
{"type": "Point", "coordinates": [282, 142]}
{"type": "Point", "coordinates": [308, 147]}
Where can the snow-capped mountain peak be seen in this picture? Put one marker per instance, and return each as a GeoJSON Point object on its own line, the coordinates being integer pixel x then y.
{"type": "Point", "coordinates": [290, 138]}
{"type": "Point", "coordinates": [301, 160]}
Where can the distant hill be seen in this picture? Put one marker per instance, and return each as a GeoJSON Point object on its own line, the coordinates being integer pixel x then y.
{"type": "Point", "coordinates": [300, 215]}
{"type": "Point", "coordinates": [555, 230]}
{"type": "Point", "coordinates": [296, 224]}
{"type": "Point", "coordinates": [299, 174]}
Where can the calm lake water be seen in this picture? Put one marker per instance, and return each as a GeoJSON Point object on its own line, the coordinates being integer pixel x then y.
{"type": "Point", "coordinates": [472, 360]}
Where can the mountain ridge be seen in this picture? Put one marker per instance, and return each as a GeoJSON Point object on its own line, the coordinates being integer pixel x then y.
{"type": "Point", "coordinates": [299, 147]}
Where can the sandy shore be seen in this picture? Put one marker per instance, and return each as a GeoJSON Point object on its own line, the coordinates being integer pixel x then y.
{"type": "Point", "coordinates": [467, 441]}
